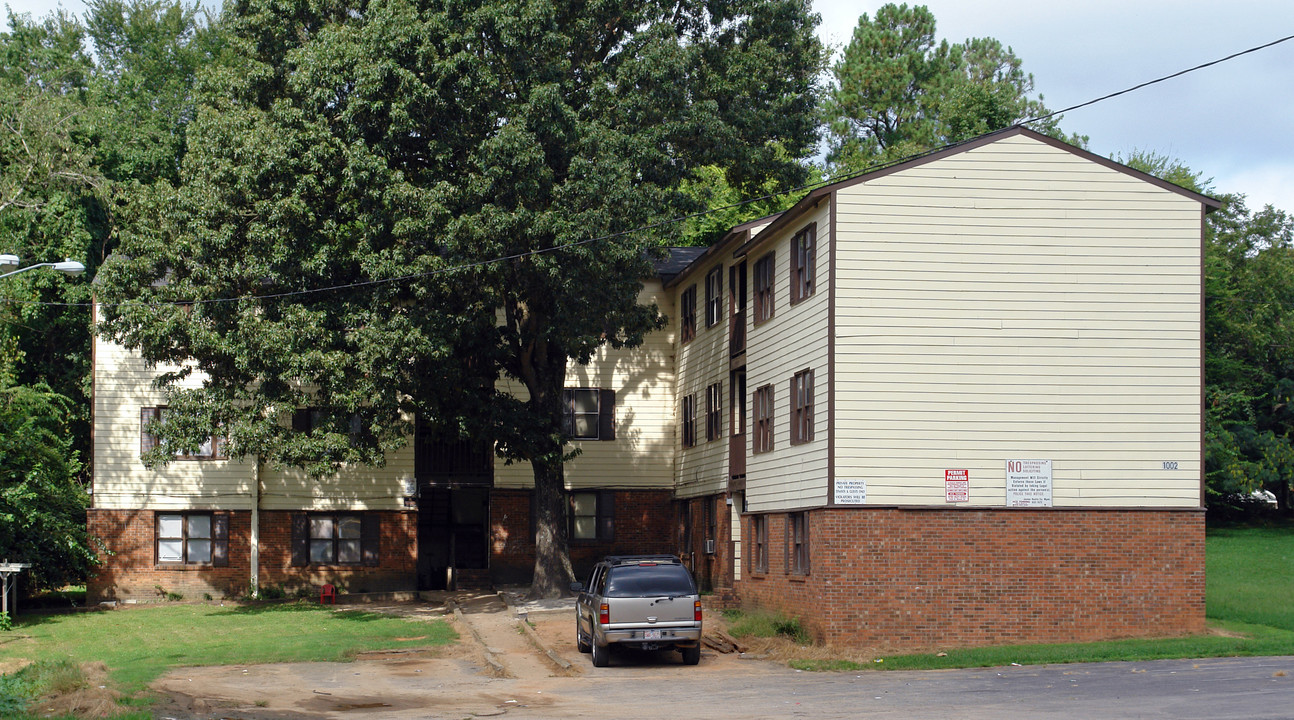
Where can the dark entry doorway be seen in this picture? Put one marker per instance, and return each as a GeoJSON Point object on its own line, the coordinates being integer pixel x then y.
{"type": "Point", "coordinates": [454, 481]}
{"type": "Point", "coordinates": [453, 534]}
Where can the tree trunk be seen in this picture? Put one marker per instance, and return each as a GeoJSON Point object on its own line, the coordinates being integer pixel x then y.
{"type": "Point", "coordinates": [553, 573]}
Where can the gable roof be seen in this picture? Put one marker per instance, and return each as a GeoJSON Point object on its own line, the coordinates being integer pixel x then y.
{"type": "Point", "coordinates": [812, 198]}
{"type": "Point", "coordinates": [737, 236]}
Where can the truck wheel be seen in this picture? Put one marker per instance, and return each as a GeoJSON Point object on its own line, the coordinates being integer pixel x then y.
{"type": "Point", "coordinates": [600, 655]}
{"type": "Point", "coordinates": [691, 655]}
{"type": "Point", "coordinates": [583, 645]}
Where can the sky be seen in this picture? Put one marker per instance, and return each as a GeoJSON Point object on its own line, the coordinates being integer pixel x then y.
{"type": "Point", "coordinates": [1233, 122]}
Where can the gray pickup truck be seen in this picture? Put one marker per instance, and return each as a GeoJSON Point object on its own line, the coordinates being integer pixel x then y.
{"type": "Point", "coordinates": [648, 602]}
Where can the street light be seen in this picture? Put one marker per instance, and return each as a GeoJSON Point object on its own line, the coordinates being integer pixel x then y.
{"type": "Point", "coordinates": [67, 267]}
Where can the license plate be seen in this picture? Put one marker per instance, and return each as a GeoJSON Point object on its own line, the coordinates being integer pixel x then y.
{"type": "Point", "coordinates": [651, 634]}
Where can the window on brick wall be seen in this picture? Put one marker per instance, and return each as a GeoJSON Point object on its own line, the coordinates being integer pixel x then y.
{"type": "Point", "coordinates": [593, 515]}
{"type": "Point", "coordinates": [340, 538]}
{"type": "Point", "coordinates": [802, 407]}
{"type": "Point", "coordinates": [192, 538]}
{"type": "Point", "coordinates": [687, 313]}
{"type": "Point", "coordinates": [714, 297]}
{"type": "Point", "coordinates": [685, 524]}
{"type": "Point", "coordinates": [711, 522]}
{"type": "Point", "coordinates": [589, 413]}
{"type": "Point", "coordinates": [797, 543]}
{"type": "Point", "coordinates": [689, 421]}
{"type": "Point", "coordinates": [151, 417]}
{"type": "Point", "coordinates": [803, 256]}
{"type": "Point", "coordinates": [759, 543]}
{"type": "Point", "coordinates": [764, 269]}
{"type": "Point", "coordinates": [713, 408]}
{"type": "Point", "coordinates": [762, 441]}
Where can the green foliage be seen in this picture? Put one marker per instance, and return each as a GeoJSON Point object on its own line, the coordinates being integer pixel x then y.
{"type": "Point", "coordinates": [6, 623]}
{"type": "Point", "coordinates": [400, 152]}
{"type": "Point", "coordinates": [764, 623]}
{"type": "Point", "coordinates": [42, 504]}
{"type": "Point", "coordinates": [82, 132]}
{"type": "Point", "coordinates": [140, 644]}
{"type": "Point", "coordinates": [898, 92]}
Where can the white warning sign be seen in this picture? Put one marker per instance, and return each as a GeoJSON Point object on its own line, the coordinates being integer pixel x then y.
{"type": "Point", "coordinates": [1028, 483]}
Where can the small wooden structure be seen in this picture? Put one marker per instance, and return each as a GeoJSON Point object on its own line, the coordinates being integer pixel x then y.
{"type": "Point", "coordinates": [9, 583]}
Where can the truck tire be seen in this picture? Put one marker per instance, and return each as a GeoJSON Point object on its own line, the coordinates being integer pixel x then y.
{"type": "Point", "coordinates": [600, 655]}
{"type": "Point", "coordinates": [691, 655]}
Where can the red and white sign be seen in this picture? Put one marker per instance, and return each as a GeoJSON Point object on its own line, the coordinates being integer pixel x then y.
{"type": "Point", "coordinates": [957, 485]}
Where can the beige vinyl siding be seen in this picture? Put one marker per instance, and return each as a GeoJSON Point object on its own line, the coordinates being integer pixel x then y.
{"type": "Point", "coordinates": [351, 488]}
{"type": "Point", "coordinates": [642, 455]}
{"type": "Point", "coordinates": [1017, 301]}
{"type": "Point", "coordinates": [703, 469]}
{"type": "Point", "coordinates": [794, 339]}
{"type": "Point", "coordinates": [123, 385]}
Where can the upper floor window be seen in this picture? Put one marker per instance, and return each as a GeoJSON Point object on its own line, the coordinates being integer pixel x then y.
{"type": "Point", "coordinates": [802, 407]}
{"type": "Point", "coordinates": [764, 269]}
{"type": "Point", "coordinates": [589, 413]}
{"type": "Point", "coordinates": [687, 312]}
{"type": "Point", "coordinates": [150, 417]}
{"type": "Point", "coordinates": [714, 297]}
{"type": "Point", "coordinates": [307, 420]}
{"type": "Point", "coordinates": [803, 258]}
{"type": "Point", "coordinates": [193, 538]}
{"type": "Point", "coordinates": [689, 421]}
{"type": "Point", "coordinates": [763, 437]}
{"type": "Point", "coordinates": [713, 408]}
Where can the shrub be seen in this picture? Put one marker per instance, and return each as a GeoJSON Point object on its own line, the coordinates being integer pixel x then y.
{"type": "Point", "coordinates": [764, 623]}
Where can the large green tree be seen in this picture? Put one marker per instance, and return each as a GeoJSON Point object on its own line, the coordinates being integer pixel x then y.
{"type": "Point", "coordinates": [898, 91]}
{"type": "Point", "coordinates": [470, 180]}
{"type": "Point", "coordinates": [90, 111]}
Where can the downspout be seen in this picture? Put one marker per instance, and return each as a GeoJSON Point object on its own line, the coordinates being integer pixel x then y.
{"type": "Point", "coordinates": [255, 580]}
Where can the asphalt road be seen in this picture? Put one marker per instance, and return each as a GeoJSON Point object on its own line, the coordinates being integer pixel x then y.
{"type": "Point", "coordinates": [1216, 689]}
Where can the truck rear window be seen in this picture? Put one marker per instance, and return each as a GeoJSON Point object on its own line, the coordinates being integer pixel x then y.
{"type": "Point", "coordinates": [649, 581]}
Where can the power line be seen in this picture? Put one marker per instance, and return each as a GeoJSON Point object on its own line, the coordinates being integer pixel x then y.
{"type": "Point", "coordinates": [837, 177]}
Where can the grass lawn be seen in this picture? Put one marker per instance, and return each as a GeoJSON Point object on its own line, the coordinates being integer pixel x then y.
{"type": "Point", "coordinates": [1249, 598]}
{"type": "Point", "coordinates": [140, 644]}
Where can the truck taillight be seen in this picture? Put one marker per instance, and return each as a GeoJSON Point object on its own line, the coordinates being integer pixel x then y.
{"type": "Point", "coordinates": [604, 614]}
{"type": "Point", "coordinates": [696, 611]}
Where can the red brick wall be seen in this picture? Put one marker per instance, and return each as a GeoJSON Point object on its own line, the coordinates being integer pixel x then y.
{"type": "Point", "coordinates": [131, 573]}
{"type": "Point", "coordinates": [644, 524]}
{"type": "Point", "coordinates": [924, 579]}
{"type": "Point", "coordinates": [713, 572]}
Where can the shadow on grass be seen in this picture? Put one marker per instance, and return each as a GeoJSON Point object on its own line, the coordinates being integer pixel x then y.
{"type": "Point", "coordinates": [301, 607]}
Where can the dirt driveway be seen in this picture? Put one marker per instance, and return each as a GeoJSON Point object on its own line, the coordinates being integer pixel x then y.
{"type": "Point", "coordinates": [457, 682]}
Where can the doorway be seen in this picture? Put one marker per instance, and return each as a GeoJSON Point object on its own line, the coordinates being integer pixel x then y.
{"type": "Point", "coordinates": [453, 534]}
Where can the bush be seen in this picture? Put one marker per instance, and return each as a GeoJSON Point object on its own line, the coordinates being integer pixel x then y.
{"type": "Point", "coordinates": [763, 623]}
{"type": "Point", "coordinates": [1240, 508]}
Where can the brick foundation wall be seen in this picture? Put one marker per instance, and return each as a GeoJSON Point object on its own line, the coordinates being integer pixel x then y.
{"type": "Point", "coordinates": [397, 567]}
{"type": "Point", "coordinates": [130, 573]}
{"type": "Point", "coordinates": [899, 579]}
{"type": "Point", "coordinates": [643, 519]}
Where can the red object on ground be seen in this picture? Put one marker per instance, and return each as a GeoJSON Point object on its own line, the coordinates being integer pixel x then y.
{"type": "Point", "coordinates": [328, 593]}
